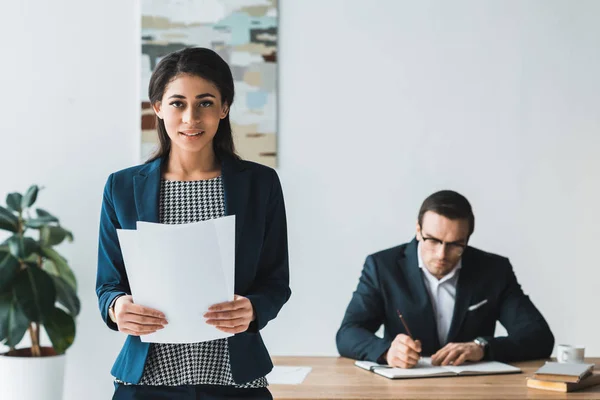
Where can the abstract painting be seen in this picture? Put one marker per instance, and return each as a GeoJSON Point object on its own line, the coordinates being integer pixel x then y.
{"type": "Point", "coordinates": [244, 33]}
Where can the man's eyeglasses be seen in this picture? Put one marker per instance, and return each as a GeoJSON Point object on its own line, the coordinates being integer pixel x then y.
{"type": "Point", "coordinates": [433, 244]}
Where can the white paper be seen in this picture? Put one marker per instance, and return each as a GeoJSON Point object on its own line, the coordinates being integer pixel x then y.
{"type": "Point", "coordinates": [129, 250]}
{"type": "Point", "coordinates": [368, 365]}
{"type": "Point", "coordinates": [181, 270]}
{"type": "Point", "coordinates": [287, 375]}
{"type": "Point", "coordinates": [225, 230]}
{"type": "Point", "coordinates": [425, 368]}
{"type": "Point", "coordinates": [224, 226]}
{"type": "Point", "coordinates": [483, 367]}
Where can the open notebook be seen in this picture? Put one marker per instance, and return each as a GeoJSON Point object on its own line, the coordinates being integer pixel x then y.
{"type": "Point", "coordinates": [424, 369]}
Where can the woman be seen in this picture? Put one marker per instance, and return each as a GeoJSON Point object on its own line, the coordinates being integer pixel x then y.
{"type": "Point", "coordinates": [196, 175]}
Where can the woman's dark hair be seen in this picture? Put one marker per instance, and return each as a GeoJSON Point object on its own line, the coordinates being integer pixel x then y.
{"type": "Point", "coordinates": [208, 65]}
{"type": "Point", "coordinates": [449, 204]}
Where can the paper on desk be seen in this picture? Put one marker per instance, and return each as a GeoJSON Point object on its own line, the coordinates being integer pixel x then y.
{"type": "Point", "coordinates": [482, 367]}
{"type": "Point", "coordinates": [287, 375]}
{"type": "Point", "coordinates": [425, 368]}
{"type": "Point", "coordinates": [178, 269]}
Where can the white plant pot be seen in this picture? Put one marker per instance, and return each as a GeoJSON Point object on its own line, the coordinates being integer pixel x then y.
{"type": "Point", "coordinates": [32, 378]}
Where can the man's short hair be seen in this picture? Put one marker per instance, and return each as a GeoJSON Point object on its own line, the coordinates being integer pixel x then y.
{"type": "Point", "coordinates": [449, 204]}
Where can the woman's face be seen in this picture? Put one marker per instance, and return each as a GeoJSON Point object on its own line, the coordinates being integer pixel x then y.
{"type": "Point", "coordinates": [191, 109]}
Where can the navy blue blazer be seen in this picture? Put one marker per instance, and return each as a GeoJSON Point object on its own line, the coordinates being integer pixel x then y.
{"type": "Point", "coordinates": [392, 280]}
{"type": "Point", "coordinates": [253, 194]}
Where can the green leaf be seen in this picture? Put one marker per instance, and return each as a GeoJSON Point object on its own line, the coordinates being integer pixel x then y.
{"type": "Point", "coordinates": [60, 264]}
{"type": "Point", "coordinates": [13, 322]}
{"type": "Point", "coordinates": [30, 247]}
{"type": "Point", "coordinates": [35, 292]}
{"type": "Point", "coordinates": [39, 222]}
{"type": "Point", "coordinates": [32, 258]}
{"type": "Point", "coordinates": [54, 235]}
{"type": "Point", "coordinates": [66, 296]}
{"type": "Point", "coordinates": [49, 266]}
{"type": "Point", "coordinates": [8, 220]}
{"type": "Point", "coordinates": [22, 248]}
{"type": "Point", "coordinates": [43, 213]}
{"type": "Point", "coordinates": [30, 197]}
{"type": "Point", "coordinates": [5, 303]}
{"type": "Point", "coordinates": [13, 201]}
{"type": "Point", "coordinates": [15, 246]}
{"type": "Point", "coordinates": [60, 327]}
{"type": "Point", "coordinates": [9, 266]}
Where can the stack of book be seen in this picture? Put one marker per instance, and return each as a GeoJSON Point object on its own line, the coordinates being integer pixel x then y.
{"type": "Point", "coordinates": [563, 377]}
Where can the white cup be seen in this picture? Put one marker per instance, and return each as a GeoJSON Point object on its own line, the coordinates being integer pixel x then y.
{"type": "Point", "coordinates": [566, 353]}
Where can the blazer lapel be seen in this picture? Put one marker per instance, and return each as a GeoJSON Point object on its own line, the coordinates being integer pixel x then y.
{"type": "Point", "coordinates": [464, 292]}
{"type": "Point", "coordinates": [236, 187]}
{"type": "Point", "coordinates": [424, 322]}
{"type": "Point", "coordinates": [146, 192]}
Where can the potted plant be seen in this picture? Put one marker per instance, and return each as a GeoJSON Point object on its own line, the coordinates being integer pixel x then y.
{"type": "Point", "coordinates": [37, 289]}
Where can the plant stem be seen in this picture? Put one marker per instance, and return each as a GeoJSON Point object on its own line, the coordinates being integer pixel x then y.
{"type": "Point", "coordinates": [37, 325]}
{"type": "Point", "coordinates": [37, 336]}
{"type": "Point", "coordinates": [34, 333]}
{"type": "Point", "coordinates": [35, 342]}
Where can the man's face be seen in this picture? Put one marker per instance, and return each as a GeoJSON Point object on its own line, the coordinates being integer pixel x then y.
{"type": "Point", "coordinates": [442, 242]}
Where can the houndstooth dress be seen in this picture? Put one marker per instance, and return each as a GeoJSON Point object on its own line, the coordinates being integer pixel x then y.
{"type": "Point", "coordinates": [204, 363]}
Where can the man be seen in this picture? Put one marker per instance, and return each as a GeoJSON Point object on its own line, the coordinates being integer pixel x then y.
{"type": "Point", "coordinates": [436, 296]}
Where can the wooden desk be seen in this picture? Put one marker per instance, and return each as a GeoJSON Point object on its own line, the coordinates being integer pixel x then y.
{"type": "Point", "coordinates": [337, 378]}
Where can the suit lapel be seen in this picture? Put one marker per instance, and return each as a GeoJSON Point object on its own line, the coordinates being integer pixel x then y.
{"type": "Point", "coordinates": [464, 292]}
{"type": "Point", "coordinates": [236, 187]}
{"type": "Point", "coordinates": [146, 192]}
{"type": "Point", "coordinates": [425, 322]}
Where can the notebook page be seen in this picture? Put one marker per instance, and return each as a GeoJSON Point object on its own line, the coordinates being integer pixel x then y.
{"type": "Point", "coordinates": [423, 369]}
{"type": "Point", "coordinates": [486, 367]}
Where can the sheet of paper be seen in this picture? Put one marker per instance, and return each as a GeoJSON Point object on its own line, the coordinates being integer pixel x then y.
{"type": "Point", "coordinates": [129, 250]}
{"type": "Point", "coordinates": [225, 228]}
{"type": "Point", "coordinates": [368, 365]}
{"type": "Point", "coordinates": [178, 270]}
{"type": "Point", "coordinates": [287, 375]}
{"type": "Point", "coordinates": [422, 369]}
{"type": "Point", "coordinates": [425, 368]}
{"type": "Point", "coordinates": [485, 367]}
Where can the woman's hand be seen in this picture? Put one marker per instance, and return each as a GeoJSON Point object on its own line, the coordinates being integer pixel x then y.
{"type": "Point", "coordinates": [137, 320]}
{"type": "Point", "coordinates": [231, 317]}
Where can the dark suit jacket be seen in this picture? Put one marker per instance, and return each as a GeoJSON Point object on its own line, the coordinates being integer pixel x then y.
{"type": "Point", "coordinates": [253, 194]}
{"type": "Point", "coordinates": [392, 280]}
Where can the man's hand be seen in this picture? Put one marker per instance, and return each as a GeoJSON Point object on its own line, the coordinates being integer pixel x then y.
{"type": "Point", "coordinates": [457, 354]}
{"type": "Point", "coordinates": [137, 320]}
{"type": "Point", "coordinates": [404, 352]}
{"type": "Point", "coordinates": [231, 317]}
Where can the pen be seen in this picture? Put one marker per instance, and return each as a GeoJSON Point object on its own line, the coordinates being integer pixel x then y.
{"type": "Point", "coordinates": [404, 323]}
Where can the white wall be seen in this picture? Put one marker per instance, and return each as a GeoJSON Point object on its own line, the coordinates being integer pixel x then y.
{"type": "Point", "coordinates": [382, 103]}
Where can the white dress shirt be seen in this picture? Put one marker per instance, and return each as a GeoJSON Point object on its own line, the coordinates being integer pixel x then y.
{"type": "Point", "coordinates": [442, 293]}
